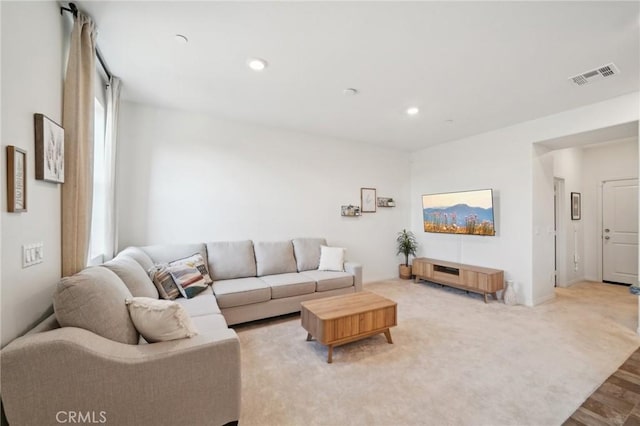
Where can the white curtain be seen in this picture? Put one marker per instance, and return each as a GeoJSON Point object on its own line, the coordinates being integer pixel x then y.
{"type": "Point", "coordinates": [78, 121]}
{"type": "Point", "coordinates": [110, 146]}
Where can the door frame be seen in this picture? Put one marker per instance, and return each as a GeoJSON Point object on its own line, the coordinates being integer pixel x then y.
{"type": "Point", "coordinates": [560, 232]}
{"type": "Point", "coordinates": [599, 220]}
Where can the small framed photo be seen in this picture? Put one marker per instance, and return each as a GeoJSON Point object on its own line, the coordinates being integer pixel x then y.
{"type": "Point", "coordinates": [575, 206]}
{"type": "Point", "coordinates": [368, 200]}
{"type": "Point", "coordinates": [16, 179]}
{"type": "Point", "coordinates": [49, 149]}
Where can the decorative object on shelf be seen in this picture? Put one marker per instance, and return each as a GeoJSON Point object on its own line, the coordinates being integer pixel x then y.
{"type": "Point", "coordinates": [16, 179]}
{"type": "Point", "coordinates": [386, 202]}
{"type": "Point", "coordinates": [350, 210]}
{"type": "Point", "coordinates": [49, 149]}
{"type": "Point", "coordinates": [368, 200]}
{"type": "Point", "coordinates": [509, 295]}
{"type": "Point", "coordinates": [407, 245]}
{"type": "Point", "coordinates": [575, 206]}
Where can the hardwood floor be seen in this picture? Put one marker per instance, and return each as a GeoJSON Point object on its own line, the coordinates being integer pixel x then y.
{"type": "Point", "coordinates": [616, 402]}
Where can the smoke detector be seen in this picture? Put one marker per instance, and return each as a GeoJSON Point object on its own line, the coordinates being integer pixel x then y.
{"type": "Point", "coordinates": [599, 73]}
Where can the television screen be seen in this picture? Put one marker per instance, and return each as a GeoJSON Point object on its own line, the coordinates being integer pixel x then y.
{"type": "Point", "coordinates": [469, 212]}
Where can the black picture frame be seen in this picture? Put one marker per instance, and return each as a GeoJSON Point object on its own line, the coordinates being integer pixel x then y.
{"type": "Point", "coordinates": [576, 206]}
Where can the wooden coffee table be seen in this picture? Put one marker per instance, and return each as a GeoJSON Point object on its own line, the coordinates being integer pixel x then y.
{"type": "Point", "coordinates": [336, 320]}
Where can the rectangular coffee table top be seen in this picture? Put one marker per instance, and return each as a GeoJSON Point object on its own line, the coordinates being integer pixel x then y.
{"type": "Point", "coordinates": [348, 304]}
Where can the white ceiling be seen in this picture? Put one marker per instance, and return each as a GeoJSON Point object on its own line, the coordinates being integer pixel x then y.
{"type": "Point", "coordinates": [485, 65]}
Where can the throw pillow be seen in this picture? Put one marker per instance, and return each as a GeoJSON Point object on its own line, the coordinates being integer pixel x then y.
{"type": "Point", "coordinates": [188, 279]}
{"type": "Point", "coordinates": [160, 320]}
{"type": "Point", "coordinates": [161, 277]}
{"type": "Point", "coordinates": [195, 261]}
{"type": "Point", "coordinates": [331, 259]}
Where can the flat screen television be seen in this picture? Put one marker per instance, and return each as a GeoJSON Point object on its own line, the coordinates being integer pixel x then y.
{"type": "Point", "coordinates": [467, 212]}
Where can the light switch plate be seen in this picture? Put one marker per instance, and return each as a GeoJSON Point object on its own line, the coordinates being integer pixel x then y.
{"type": "Point", "coordinates": [32, 254]}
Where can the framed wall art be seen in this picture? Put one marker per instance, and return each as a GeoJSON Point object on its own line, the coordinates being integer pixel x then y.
{"type": "Point", "coordinates": [16, 179]}
{"type": "Point", "coordinates": [575, 206]}
{"type": "Point", "coordinates": [49, 149]}
{"type": "Point", "coordinates": [368, 200]}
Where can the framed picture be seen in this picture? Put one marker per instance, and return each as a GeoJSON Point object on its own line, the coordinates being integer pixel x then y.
{"type": "Point", "coordinates": [16, 179]}
{"type": "Point", "coordinates": [49, 149]}
{"type": "Point", "coordinates": [575, 206]}
{"type": "Point", "coordinates": [368, 200]}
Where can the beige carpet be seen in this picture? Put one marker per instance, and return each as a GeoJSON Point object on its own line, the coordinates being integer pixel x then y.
{"type": "Point", "coordinates": [455, 361]}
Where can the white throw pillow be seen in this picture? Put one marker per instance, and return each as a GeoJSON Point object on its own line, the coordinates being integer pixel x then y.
{"type": "Point", "coordinates": [160, 320]}
{"type": "Point", "coordinates": [331, 258]}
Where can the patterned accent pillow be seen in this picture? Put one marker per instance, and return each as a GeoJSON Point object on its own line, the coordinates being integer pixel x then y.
{"type": "Point", "coordinates": [161, 277]}
{"type": "Point", "coordinates": [188, 279]}
{"type": "Point", "coordinates": [195, 261]}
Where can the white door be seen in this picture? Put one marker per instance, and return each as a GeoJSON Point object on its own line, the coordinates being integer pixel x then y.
{"type": "Point", "coordinates": [620, 231]}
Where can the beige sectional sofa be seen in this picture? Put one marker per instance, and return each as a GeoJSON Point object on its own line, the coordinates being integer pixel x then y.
{"type": "Point", "coordinates": [88, 359]}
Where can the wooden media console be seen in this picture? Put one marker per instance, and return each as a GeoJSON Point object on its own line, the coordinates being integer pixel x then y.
{"type": "Point", "coordinates": [466, 277]}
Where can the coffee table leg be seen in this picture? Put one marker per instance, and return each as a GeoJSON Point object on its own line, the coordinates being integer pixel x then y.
{"type": "Point", "coordinates": [387, 334]}
{"type": "Point", "coordinates": [309, 338]}
{"type": "Point", "coordinates": [330, 355]}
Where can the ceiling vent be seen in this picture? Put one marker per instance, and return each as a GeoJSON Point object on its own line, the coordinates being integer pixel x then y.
{"type": "Point", "coordinates": [599, 73]}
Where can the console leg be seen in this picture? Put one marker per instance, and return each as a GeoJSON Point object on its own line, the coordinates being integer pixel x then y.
{"type": "Point", "coordinates": [485, 298]}
{"type": "Point", "coordinates": [309, 338]}
{"type": "Point", "coordinates": [387, 334]}
{"type": "Point", "coordinates": [330, 355]}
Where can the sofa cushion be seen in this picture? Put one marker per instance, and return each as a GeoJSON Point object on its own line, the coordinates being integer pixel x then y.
{"type": "Point", "coordinates": [160, 320]}
{"type": "Point", "coordinates": [274, 257]}
{"type": "Point", "coordinates": [330, 280]}
{"type": "Point", "coordinates": [167, 253]}
{"type": "Point", "coordinates": [202, 304]}
{"type": "Point", "coordinates": [241, 291]}
{"type": "Point", "coordinates": [287, 285]}
{"type": "Point", "coordinates": [163, 280]}
{"type": "Point", "coordinates": [231, 259]}
{"type": "Point", "coordinates": [211, 322]}
{"type": "Point", "coordinates": [307, 252]}
{"type": "Point", "coordinates": [133, 276]}
{"type": "Point", "coordinates": [331, 259]}
{"type": "Point", "coordinates": [139, 256]}
{"type": "Point", "coordinates": [94, 299]}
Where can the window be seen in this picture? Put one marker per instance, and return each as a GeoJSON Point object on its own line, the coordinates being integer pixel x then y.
{"type": "Point", "coordinates": [97, 241]}
{"type": "Point", "coordinates": [98, 212]}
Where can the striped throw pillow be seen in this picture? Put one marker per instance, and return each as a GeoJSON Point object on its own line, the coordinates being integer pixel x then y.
{"type": "Point", "coordinates": [161, 277]}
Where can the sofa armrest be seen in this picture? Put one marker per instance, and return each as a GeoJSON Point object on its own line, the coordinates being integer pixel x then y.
{"type": "Point", "coordinates": [356, 270]}
{"type": "Point", "coordinates": [187, 381]}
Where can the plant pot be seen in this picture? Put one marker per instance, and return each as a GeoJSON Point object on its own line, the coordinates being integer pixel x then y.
{"type": "Point", "coordinates": [405, 272]}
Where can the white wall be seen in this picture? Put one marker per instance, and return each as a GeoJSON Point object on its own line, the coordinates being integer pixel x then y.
{"type": "Point", "coordinates": [568, 165]}
{"type": "Point", "coordinates": [189, 177]}
{"type": "Point", "coordinates": [609, 161]}
{"type": "Point", "coordinates": [504, 160]}
{"type": "Point", "coordinates": [32, 51]}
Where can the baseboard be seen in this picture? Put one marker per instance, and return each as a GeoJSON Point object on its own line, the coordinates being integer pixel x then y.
{"type": "Point", "coordinates": [539, 300]}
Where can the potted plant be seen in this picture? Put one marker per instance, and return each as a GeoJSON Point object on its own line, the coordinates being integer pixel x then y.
{"type": "Point", "coordinates": [407, 245]}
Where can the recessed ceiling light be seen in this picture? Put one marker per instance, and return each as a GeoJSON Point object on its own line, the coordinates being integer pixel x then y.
{"type": "Point", "coordinates": [413, 110]}
{"type": "Point", "coordinates": [257, 64]}
{"type": "Point", "coordinates": [350, 91]}
{"type": "Point", "coordinates": [449, 121]}
{"type": "Point", "coordinates": [182, 39]}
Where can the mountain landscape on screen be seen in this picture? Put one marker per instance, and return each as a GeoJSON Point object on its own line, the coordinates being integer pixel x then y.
{"type": "Point", "coordinates": [469, 212]}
